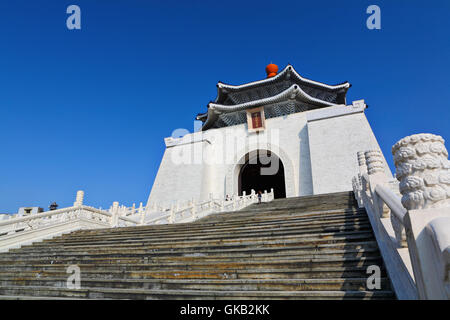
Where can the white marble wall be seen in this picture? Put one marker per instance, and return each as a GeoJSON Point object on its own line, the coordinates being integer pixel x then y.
{"type": "Point", "coordinates": [318, 150]}
{"type": "Point", "coordinates": [334, 143]}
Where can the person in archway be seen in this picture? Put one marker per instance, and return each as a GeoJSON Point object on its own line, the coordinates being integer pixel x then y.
{"type": "Point", "coordinates": [259, 196]}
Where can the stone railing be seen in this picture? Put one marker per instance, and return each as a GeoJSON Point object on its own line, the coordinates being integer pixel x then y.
{"type": "Point", "coordinates": [20, 230]}
{"type": "Point", "coordinates": [410, 219]}
{"type": "Point", "coordinates": [196, 210]}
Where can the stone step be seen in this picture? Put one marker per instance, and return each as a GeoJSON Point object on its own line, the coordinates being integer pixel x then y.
{"type": "Point", "coordinates": [316, 247]}
{"type": "Point", "coordinates": [139, 294]}
{"type": "Point", "coordinates": [303, 204]}
{"type": "Point", "coordinates": [183, 255]}
{"type": "Point", "coordinates": [291, 205]}
{"type": "Point", "coordinates": [60, 246]}
{"type": "Point", "coordinates": [205, 284]}
{"type": "Point", "coordinates": [236, 218]}
{"type": "Point", "coordinates": [224, 227]}
{"type": "Point", "coordinates": [6, 297]}
{"type": "Point", "coordinates": [221, 245]}
{"type": "Point", "coordinates": [285, 230]}
{"type": "Point", "coordinates": [119, 273]}
{"type": "Point", "coordinates": [342, 196]}
{"type": "Point", "coordinates": [332, 247]}
{"type": "Point", "coordinates": [264, 247]}
{"type": "Point", "coordinates": [199, 264]}
{"type": "Point", "coordinates": [266, 225]}
{"type": "Point", "coordinates": [233, 218]}
{"type": "Point", "coordinates": [230, 240]}
{"type": "Point", "coordinates": [181, 259]}
{"type": "Point", "coordinates": [277, 233]}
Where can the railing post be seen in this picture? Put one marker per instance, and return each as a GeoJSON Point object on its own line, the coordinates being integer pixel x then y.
{"type": "Point", "coordinates": [172, 214]}
{"type": "Point", "coordinates": [357, 189]}
{"type": "Point", "coordinates": [357, 180]}
{"type": "Point", "coordinates": [194, 210]}
{"type": "Point", "coordinates": [375, 169]}
{"type": "Point", "coordinates": [423, 169]}
{"type": "Point", "coordinates": [362, 162]}
{"type": "Point", "coordinates": [79, 198]}
{"type": "Point", "coordinates": [115, 214]}
{"type": "Point", "coordinates": [142, 212]}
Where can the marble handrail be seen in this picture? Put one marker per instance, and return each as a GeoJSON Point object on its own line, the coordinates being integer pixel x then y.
{"type": "Point", "coordinates": [199, 210]}
{"type": "Point", "coordinates": [392, 201]}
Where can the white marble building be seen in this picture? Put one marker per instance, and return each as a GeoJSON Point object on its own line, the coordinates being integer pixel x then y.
{"type": "Point", "coordinates": [305, 124]}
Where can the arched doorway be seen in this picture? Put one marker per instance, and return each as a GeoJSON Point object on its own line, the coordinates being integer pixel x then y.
{"type": "Point", "coordinates": [262, 171]}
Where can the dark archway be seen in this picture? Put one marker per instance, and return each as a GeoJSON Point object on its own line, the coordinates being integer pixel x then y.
{"type": "Point", "coordinates": [262, 172]}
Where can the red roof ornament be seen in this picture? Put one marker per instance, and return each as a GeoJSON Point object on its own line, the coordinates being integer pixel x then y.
{"type": "Point", "coordinates": [271, 70]}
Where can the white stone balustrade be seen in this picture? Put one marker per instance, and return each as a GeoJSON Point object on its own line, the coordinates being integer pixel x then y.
{"type": "Point", "coordinates": [423, 170]}
{"type": "Point", "coordinates": [197, 210]}
{"type": "Point", "coordinates": [412, 231]}
{"type": "Point", "coordinates": [18, 231]}
{"type": "Point", "coordinates": [372, 191]}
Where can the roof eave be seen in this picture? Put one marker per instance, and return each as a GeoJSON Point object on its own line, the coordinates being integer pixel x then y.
{"type": "Point", "coordinates": [288, 69]}
{"type": "Point", "coordinates": [294, 92]}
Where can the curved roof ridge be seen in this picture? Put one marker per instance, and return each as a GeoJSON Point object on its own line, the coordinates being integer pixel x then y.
{"type": "Point", "coordinates": [289, 68]}
{"type": "Point", "coordinates": [292, 92]}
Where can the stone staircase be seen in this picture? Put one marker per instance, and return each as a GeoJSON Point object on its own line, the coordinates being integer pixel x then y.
{"type": "Point", "coordinates": [315, 247]}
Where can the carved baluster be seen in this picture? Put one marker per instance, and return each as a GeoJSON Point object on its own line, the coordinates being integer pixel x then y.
{"type": "Point", "coordinates": [375, 169]}
{"type": "Point", "coordinates": [194, 210]}
{"type": "Point", "coordinates": [210, 203]}
{"type": "Point", "coordinates": [172, 214]}
{"type": "Point", "coordinates": [423, 169]}
{"type": "Point", "coordinates": [79, 199]}
{"type": "Point", "coordinates": [374, 161]}
{"type": "Point", "coordinates": [362, 162]}
{"type": "Point", "coordinates": [399, 230]}
{"type": "Point", "coordinates": [115, 214]}
{"type": "Point", "coordinates": [142, 212]}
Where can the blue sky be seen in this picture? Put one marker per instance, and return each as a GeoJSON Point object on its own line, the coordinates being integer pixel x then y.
{"type": "Point", "coordinates": [88, 109]}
